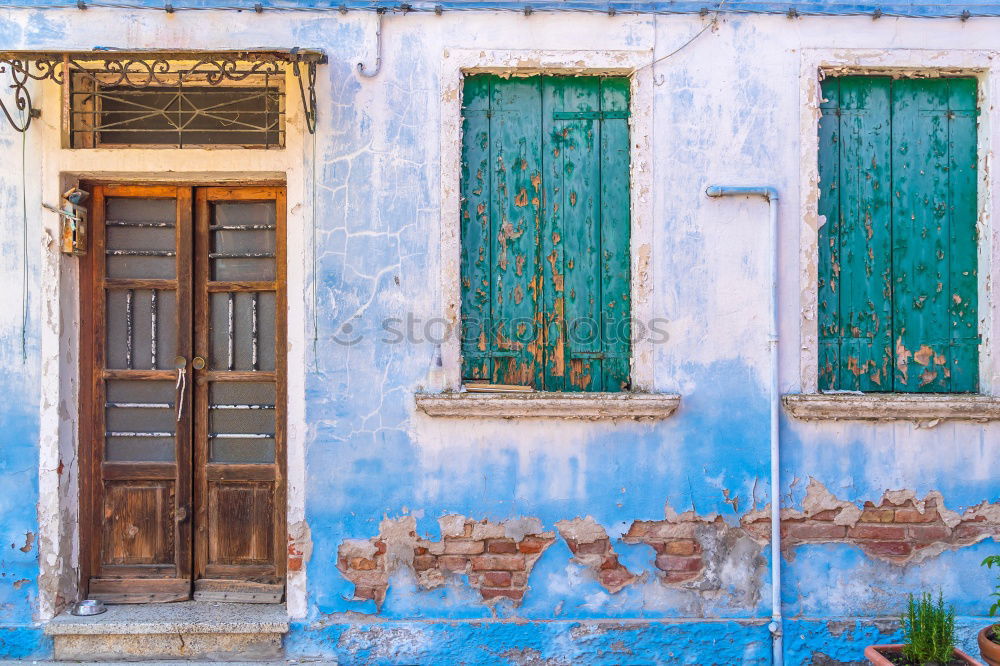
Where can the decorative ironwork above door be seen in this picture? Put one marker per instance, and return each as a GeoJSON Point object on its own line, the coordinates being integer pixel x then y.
{"type": "Point", "coordinates": [146, 97]}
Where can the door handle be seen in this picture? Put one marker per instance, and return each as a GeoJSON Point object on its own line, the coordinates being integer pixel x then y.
{"type": "Point", "coordinates": [198, 363]}
{"type": "Point", "coordinates": [181, 387]}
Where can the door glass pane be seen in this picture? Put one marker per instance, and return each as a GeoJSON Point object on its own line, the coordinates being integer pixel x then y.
{"type": "Point", "coordinates": [241, 330]}
{"type": "Point", "coordinates": [241, 422]}
{"type": "Point", "coordinates": [141, 329]}
{"type": "Point", "coordinates": [140, 421]}
{"type": "Point", "coordinates": [243, 244]}
{"type": "Point", "coordinates": [140, 238]}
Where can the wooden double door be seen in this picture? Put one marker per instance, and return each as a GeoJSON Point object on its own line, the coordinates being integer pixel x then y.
{"type": "Point", "coordinates": [183, 394]}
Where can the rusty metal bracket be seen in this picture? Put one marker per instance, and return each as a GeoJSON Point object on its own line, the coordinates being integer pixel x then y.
{"type": "Point", "coordinates": [143, 68]}
{"type": "Point", "coordinates": [308, 101]}
{"type": "Point", "coordinates": [20, 74]}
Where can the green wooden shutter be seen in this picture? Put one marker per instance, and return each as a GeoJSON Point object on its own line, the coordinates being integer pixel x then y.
{"type": "Point", "coordinates": [545, 232]}
{"type": "Point", "coordinates": [855, 280]}
{"type": "Point", "coordinates": [897, 253]}
{"type": "Point", "coordinates": [501, 223]}
{"type": "Point", "coordinates": [477, 231]}
{"type": "Point", "coordinates": [616, 219]}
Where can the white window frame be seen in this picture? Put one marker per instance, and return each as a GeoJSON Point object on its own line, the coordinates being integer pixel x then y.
{"type": "Point", "coordinates": [458, 63]}
{"type": "Point", "coordinates": [816, 64]}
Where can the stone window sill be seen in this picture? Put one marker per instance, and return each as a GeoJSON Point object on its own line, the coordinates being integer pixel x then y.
{"type": "Point", "coordinates": [925, 407]}
{"type": "Point", "coordinates": [540, 404]}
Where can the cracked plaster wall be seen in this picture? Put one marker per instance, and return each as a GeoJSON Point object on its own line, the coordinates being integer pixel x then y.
{"type": "Point", "coordinates": [726, 111]}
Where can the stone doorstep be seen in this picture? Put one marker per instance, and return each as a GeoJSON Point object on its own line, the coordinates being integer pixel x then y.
{"type": "Point", "coordinates": [185, 630]}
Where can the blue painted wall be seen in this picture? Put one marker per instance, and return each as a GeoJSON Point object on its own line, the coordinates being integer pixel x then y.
{"type": "Point", "coordinates": [19, 384]}
{"type": "Point", "coordinates": [724, 111]}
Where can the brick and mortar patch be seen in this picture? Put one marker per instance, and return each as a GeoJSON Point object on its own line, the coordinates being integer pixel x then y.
{"type": "Point", "coordinates": [899, 529]}
{"type": "Point", "coordinates": [678, 550]}
{"type": "Point", "coordinates": [496, 557]}
{"type": "Point", "coordinates": [299, 545]}
{"type": "Point", "coordinates": [691, 550]}
{"type": "Point", "coordinates": [694, 551]}
{"type": "Point", "coordinates": [591, 547]}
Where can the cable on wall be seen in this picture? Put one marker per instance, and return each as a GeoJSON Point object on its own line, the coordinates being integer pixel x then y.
{"type": "Point", "coordinates": [658, 81]}
{"type": "Point", "coordinates": [315, 261]}
{"type": "Point", "coordinates": [24, 244]}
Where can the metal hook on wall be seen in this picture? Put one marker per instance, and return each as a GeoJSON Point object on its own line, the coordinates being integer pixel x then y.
{"type": "Point", "coordinates": [378, 48]}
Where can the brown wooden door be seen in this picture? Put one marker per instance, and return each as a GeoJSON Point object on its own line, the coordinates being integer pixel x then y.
{"type": "Point", "coordinates": [182, 419]}
{"type": "Point", "coordinates": [239, 430]}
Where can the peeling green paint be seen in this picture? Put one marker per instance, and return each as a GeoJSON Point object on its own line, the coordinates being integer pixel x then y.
{"type": "Point", "coordinates": [545, 232]}
{"type": "Point", "coordinates": [897, 272]}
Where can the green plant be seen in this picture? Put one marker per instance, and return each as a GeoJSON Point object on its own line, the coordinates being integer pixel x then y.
{"type": "Point", "coordinates": [928, 630]}
{"type": "Point", "coordinates": [988, 563]}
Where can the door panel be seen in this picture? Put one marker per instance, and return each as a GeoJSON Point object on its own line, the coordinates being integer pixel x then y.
{"type": "Point", "coordinates": [139, 435]}
{"type": "Point", "coordinates": [143, 513]}
{"type": "Point", "coordinates": [239, 398]}
{"type": "Point", "coordinates": [229, 541]}
{"type": "Point", "coordinates": [182, 298]}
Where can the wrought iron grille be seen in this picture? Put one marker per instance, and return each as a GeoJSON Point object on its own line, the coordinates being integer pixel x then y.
{"type": "Point", "coordinates": [173, 98]}
{"type": "Point", "coordinates": [180, 109]}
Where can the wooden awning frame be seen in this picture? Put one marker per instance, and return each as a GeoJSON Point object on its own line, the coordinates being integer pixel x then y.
{"type": "Point", "coordinates": [141, 68]}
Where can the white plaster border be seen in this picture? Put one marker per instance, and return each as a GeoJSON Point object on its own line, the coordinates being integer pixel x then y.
{"type": "Point", "coordinates": [815, 64]}
{"type": "Point", "coordinates": [58, 505]}
{"type": "Point", "coordinates": [455, 64]}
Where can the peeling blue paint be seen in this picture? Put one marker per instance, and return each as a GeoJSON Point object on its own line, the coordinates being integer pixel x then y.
{"type": "Point", "coordinates": [369, 457]}
{"type": "Point", "coordinates": [701, 643]}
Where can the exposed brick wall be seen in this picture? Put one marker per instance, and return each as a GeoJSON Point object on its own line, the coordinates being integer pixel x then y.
{"type": "Point", "coordinates": [496, 565]}
{"type": "Point", "coordinates": [899, 529]}
{"type": "Point", "coordinates": [299, 545]}
{"type": "Point", "coordinates": [678, 552]}
{"type": "Point", "coordinates": [691, 550]}
{"type": "Point", "coordinates": [496, 557]}
{"type": "Point", "coordinates": [591, 547]}
{"type": "Point", "coordinates": [369, 572]}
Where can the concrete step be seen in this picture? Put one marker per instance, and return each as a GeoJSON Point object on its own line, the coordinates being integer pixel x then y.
{"type": "Point", "coordinates": [189, 630]}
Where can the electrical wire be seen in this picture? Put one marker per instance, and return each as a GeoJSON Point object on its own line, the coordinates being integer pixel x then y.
{"type": "Point", "coordinates": [314, 250]}
{"type": "Point", "coordinates": [24, 245]}
{"type": "Point", "coordinates": [711, 24]}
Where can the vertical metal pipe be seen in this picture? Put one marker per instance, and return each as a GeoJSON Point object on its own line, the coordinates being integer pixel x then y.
{"type": "Point", "coordinates": [128, 328]}
{"type": "Point", "coordinates": [230, 345]}
{"type": "Point", "coordinates": [770, 194]}
{"type": "Point", "coordinates": [267, 115]}
{"type": "Point", "coordinates": [370, 73]}
{"type": "Point", "coordinates": [777, 625]}
{"type": "Point", "coordinates": [253, 331]}
{"type": "Point", "coordinates": [153, 306]}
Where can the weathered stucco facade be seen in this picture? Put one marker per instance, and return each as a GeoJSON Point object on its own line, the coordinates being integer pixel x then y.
{"type": "Point", "coordinates": [435, 539]}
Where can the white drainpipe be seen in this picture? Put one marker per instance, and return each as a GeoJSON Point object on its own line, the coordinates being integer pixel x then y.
{"type": "Point", "coordinates": [770, 195]}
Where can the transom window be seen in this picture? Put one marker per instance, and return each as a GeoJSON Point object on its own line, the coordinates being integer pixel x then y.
{"type": "Point", "coordinates": [898, 281]}
{"type": "Point", "coordinates": [179, 109]}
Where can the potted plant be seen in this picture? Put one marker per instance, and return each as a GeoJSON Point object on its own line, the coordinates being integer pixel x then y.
{"type": "Point", "coordinates": [989, 637]}
{"type": "Point", "coordinates": [929, 635]}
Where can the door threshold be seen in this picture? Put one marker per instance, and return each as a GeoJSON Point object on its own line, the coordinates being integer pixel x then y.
{"type": "Point", "coordinates": [182, 617]}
